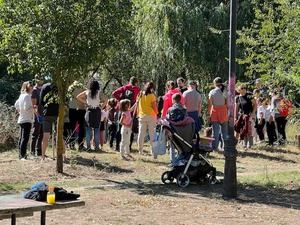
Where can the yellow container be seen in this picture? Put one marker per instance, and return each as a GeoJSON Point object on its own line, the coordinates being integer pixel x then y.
{"type": "Point", "coordinates": [51, 196]}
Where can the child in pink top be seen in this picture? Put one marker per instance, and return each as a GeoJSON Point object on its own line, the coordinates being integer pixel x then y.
{"type": "Point", "coordinates": [126, 121]}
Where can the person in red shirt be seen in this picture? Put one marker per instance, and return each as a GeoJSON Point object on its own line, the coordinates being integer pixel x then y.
{"type": "Point", "coordinates": [171, 90]}
{"type": "Point", "coordinates": [168, 103]}
{"type": "Point", "coordinates": [131, 92]}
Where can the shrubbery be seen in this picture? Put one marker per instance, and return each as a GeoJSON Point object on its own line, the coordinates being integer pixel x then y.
{"type": "Point", "coordinates": [9, 129]}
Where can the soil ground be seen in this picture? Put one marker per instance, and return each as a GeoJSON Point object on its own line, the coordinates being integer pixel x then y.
{"type": "Point", "coordinates": [130, 192]}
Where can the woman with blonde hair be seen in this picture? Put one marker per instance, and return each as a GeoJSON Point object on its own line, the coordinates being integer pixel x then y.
{"type": "Point", "coordinates": [26, 112]}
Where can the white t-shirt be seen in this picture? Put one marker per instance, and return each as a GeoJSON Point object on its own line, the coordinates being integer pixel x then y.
{"type": "Point", "coordinates": [104, 115]}
{"type": "Point", "coordinates": [268, 113]}
{"type": "Point", "coordinates": [261, 112]}
{"type": "Point", "coordinates": [25, 108]}
{"type": "Point", "coordinates": [92, 102]}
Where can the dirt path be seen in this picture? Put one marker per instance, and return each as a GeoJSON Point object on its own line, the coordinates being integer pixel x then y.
{"type": "Point", "coordinates": [128, 206]}
{"type": "Point", "coordinates": [130, 192]}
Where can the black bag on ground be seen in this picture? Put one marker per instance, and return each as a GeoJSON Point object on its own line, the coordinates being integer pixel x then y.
{"type": "Point", "coordinates": [62, 194]}
{"type": "Point", "coordinates": [39, 192]}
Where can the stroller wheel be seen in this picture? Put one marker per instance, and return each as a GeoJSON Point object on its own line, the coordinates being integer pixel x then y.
{"type": "Point", "coordinates": [183, 180]}
{"type": "Point", "coordinates": [166, 178]}
{"type": "Point", "coordinates": [212, 179]}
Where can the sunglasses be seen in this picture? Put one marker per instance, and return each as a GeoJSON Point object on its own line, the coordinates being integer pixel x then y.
{"type": "Point", "coordinates": [242, 88]}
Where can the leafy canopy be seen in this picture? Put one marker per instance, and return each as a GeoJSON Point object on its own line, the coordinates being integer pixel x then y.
{"type": "Point", "coordinates": [59, 38]}
{"type": "Point", "coordinates": [272, 44]}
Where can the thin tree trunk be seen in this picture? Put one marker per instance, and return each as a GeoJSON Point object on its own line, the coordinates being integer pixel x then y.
{"type": "Point", "coordinates": [60, 147]}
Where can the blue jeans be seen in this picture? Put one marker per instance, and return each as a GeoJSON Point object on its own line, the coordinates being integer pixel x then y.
{"type": "Point", "coordinates": [96, 137]}
{"type": "Point", "coordinates": [217, 129]}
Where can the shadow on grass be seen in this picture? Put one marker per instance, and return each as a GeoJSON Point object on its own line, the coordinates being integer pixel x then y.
{"type": "Point", "coordinates": [247, 194]}
{"type": "Point", "coordinates": [64, 174]}
{"type": "Point", "coordinates": [106, 167]}
{"type": "Point", "coordinates": [269, 195]}
{"type": "Point", "coordinates": [171, 190]}
{"type": "Point", "coordinates": [279, 150]}
{"type": "Point", "coordinates": [155, 162]}
{"type": "Point", "coordinates": [263, 156]}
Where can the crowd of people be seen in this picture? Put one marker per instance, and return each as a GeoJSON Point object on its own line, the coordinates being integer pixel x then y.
{"type": "Point", "coordinates": [92, 119]}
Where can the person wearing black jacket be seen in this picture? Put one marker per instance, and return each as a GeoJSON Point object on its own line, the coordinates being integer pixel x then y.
{"type": "Point", "coordinates": [37, 134]}
{"type": "Point", "coordinates": [48, 97]}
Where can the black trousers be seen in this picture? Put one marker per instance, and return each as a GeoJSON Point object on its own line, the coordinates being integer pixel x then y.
{"type": "Point", "coordinates": [24, 138]}
{"type": "Point", "coordinates": [118, 137]}
{"type": "Point", "coordinates": [135, 130]}
{"type": "Point", "coordinates": [37, 138]}
{"type": "Point", "coordinates": [281, 123]}
{"type": "Point", "coordinates": [76, 116]}
{"type": "Point", "coordinates": [112, 132]}
{"type": "Point", "coordinates": [271, 131]}
{"type": "Point", "coordinates": [260, 129]}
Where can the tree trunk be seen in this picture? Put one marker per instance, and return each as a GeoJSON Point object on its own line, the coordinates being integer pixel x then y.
{"type": "Point", "coordinates": [60, 147]}
{"type": "Point", "coordinates": [230, 152]}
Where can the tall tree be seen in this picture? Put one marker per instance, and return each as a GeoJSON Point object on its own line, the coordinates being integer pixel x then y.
{"type": "Point", "coordinates": [61, 39]}
{"type": "Point", "coordinates": [185, 37]}
{"type": "Point", "coordinates": [272, 44]}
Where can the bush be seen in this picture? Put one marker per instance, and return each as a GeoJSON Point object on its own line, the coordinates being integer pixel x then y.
{"type": "Point", "coordinates": [9, 129]}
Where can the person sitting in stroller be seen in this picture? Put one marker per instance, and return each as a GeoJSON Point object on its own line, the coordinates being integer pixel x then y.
{"type": "Point", "coordinates": [177, 117]}
{"type": "Point", "coordinates": [191, 163]}
{"type": "Point", "coordinates": [177, 112]}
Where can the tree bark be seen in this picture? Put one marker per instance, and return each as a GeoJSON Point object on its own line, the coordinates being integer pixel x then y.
{"type": "Point", "coordinates": [60, 146]}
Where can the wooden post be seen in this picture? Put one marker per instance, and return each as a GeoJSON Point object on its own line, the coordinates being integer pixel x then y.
{"type": "Point", "coordinates": [59, 138]}
{"type": "Point", "coordinates": [230, 152]}
{"type": "Point", "coordinates": [13, 219]}
{"type": "Point", "coordinates": [43, 217]}
{"type": "Point", "coordinates": [53, 141]}
{"type": "Point", "coordinates": [297, 140]}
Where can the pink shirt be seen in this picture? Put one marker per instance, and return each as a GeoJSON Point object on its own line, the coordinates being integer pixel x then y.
{"type": "Point", "coordinates": [127, 120]}
{"type": "Point", "coordinates": [168, 100]}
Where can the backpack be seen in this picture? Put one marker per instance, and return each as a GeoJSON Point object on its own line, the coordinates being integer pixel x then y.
{"type": "Point", "coordinates": [39, 192]}
{"type": "Point", "coordinates": [128, 94]}
{"type": "Point", "coordinates": [284, 107]}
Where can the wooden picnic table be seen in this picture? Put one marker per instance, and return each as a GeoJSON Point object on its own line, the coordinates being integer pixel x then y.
{"type": "Point", "coordinates": [16, 206]}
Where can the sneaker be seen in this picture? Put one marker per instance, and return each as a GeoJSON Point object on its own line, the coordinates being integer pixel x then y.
{"type": "Point", "coordinates": [130, 156]}
{"type": "Point", "coordinates": [23, 159]}
{"type": "Point", "coordinates": [124, 158]}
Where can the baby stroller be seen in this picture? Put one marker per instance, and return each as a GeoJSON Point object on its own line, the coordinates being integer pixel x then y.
{"type": "Point", "coordinates": [194, 166]}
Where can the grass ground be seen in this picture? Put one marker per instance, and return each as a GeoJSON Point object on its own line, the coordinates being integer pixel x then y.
{"type": "Point", "coordinates": [130, 192]}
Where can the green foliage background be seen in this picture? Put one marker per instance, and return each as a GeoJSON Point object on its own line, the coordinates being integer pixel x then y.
{"type": "Point", "coordinates": [158, 40]}
{"type": "Point", "coordinates": [271, 45]}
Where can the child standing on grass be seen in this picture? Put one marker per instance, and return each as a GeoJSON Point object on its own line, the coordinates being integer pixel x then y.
{"type": "Point", "coordinates": [112, 123]}
{"type": "Point", "coordinates": [270, 124]}
{"type": "Point", "coordinates": [260, 119]}
{"type": "Point", "coordinates": [126, 122]}
{"type": "Point", "coordinates": [104, 115]}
